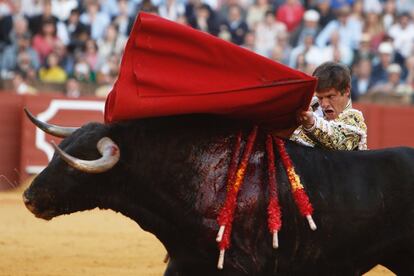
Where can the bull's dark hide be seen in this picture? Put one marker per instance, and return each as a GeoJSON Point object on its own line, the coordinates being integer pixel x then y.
{"type": "Point", "coordinates": [171, 181]}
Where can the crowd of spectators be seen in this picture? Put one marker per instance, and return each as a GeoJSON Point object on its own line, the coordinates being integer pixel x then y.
{"type": "Point", "coordinates": [72, 42]}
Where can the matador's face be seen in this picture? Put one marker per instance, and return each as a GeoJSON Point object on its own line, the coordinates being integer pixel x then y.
{"type": "Point", "coordinates": [333, 102]}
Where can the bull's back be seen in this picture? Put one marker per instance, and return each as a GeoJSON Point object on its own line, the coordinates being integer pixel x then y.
{"type": "Point", "coordinates": [361, 199]}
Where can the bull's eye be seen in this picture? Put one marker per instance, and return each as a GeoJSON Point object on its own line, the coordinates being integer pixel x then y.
{"type": "Point", "coordinates": [69, 169]}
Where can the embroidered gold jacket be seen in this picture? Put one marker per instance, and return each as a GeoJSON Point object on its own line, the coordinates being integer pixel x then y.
{"type": "Point", "coordinates": [347, 132]}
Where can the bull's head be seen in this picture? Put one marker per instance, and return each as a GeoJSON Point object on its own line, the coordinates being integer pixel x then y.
{"type": "Point", "coordinates": [68, 174]}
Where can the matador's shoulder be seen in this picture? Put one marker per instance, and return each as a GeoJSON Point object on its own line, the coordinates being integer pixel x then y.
{"type": "Point", "coordinates": [352, 112]}
{"type": "Point", "coordinates": [353, 117]}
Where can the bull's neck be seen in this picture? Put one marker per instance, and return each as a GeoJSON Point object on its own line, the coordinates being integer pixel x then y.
{"type": "Point", "coordinates": [174, 183]}
{"type": "Point", "coordinates": [169, 184]}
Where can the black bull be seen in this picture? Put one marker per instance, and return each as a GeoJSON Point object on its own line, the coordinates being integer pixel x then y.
{"type": "Point", "coordinates": [171, 180]}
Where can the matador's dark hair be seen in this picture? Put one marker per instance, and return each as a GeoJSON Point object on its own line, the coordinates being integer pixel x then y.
{"type": "Point", "coordinates": [332, 75]}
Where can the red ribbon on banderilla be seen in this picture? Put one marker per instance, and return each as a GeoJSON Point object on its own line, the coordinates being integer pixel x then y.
{"type": "Point", "coordinates": [235, 178]}
{"type": "Point", "coordinates": [298, 191]}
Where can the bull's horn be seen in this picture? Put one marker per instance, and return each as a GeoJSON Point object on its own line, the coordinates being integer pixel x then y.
{"type": "Point", "coordinates": [110, 156]}
{"type": "Point", "coordinates": [54, 130]}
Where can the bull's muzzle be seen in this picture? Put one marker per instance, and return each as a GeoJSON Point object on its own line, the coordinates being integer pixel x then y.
{"type": "Point", "coordinates": [38, 212]}
{"type": "Point", "coordinates": [28, 203]}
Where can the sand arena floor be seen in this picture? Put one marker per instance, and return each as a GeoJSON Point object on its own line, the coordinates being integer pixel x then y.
{"type": "Point", "coordinates": [101, 243]}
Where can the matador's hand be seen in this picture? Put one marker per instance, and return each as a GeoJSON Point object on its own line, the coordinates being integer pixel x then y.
{"type": "Point", "coordinates": [306, 119]}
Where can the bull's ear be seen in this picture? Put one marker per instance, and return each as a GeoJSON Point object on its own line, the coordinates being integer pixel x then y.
{"type": "Point", "coordinates": [110, 156]}
{"type": "Point", "coordinates": [54, 130]}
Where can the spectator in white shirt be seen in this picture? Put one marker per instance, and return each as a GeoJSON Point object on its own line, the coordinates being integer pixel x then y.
{"type": "Point", "coordinates": [337, 51]}
{"type": "Point", "coordinates": [311, 53]}
{"type": "Point", "coordinates": [389, 15]}
{"type": "Point", "coordinates": [98, 21]}
{"type": "Point", "coordinates": [350, 30]}
{"type": "Point", "coordinates": [62, 8]}
{"type": "Point", "coordinates": [402, 34]}
{"type": "Point", "coordinates": [171, 9]}
{"type": "Point", "coordinates": [31, 8]}
{"type": "Point", "coordinates": [267, 32]}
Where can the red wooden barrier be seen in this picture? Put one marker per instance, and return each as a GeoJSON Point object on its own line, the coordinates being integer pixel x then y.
{"type": "Point", "coordinates": [388, 126]}
{"type": "Point", "coordinates": [10, 132]}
